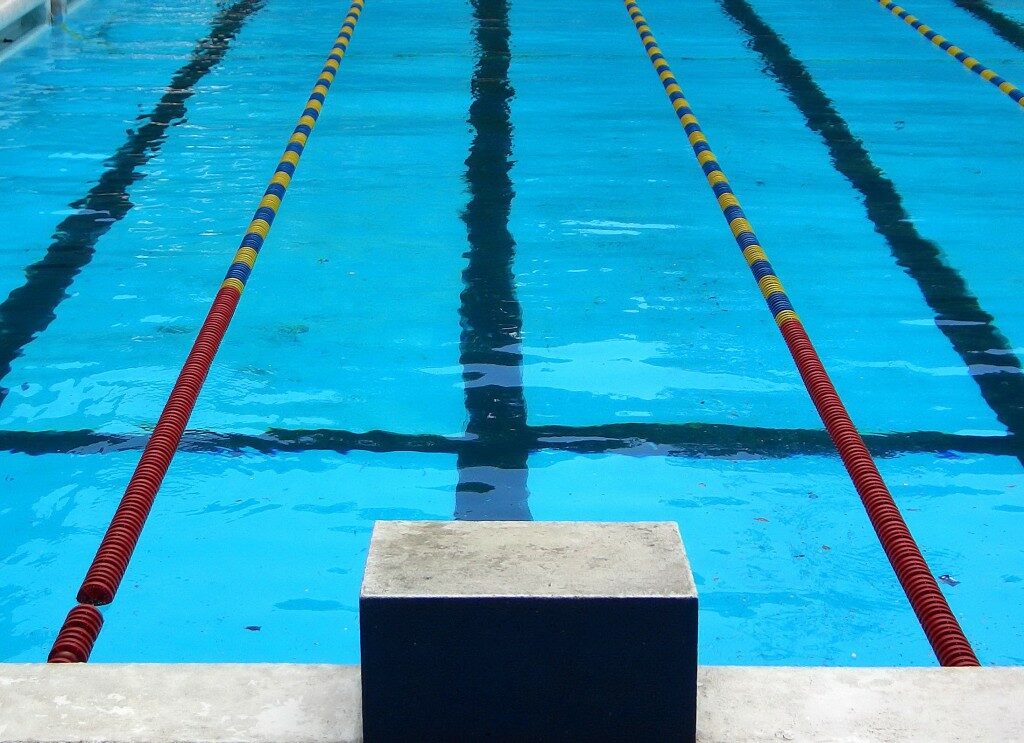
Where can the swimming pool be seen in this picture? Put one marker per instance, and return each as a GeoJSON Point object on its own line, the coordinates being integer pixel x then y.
{"type": "Point", "coordinates": [500, 289]}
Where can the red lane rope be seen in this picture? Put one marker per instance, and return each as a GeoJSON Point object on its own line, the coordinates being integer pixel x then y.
{"type": "Point", "coordinates": [940, 625]}
{"type": "Point", "coordinates": [111, 561]}
{"type": "Point", "coordinates": [77, 636]}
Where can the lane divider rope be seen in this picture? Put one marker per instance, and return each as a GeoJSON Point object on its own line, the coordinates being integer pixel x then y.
{"type": "Point", "coordinates": [77, 636]}
{"type": "Point", "coordinates": [940, 625]}
{"type": "Point", "coordinates": [954, 51]}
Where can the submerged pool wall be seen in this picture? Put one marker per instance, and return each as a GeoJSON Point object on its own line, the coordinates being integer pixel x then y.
{"type": "Point", "coordinates": [18, 18]}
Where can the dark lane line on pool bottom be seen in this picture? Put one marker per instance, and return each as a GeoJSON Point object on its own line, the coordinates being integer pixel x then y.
{"type": "Point", "coordinates": [958, 314]}
{"type": "Point", "coordinates": [692, 440]}
{"type": "Point", "coordinates": [30, 308]}
{"type": "Point", "coordinates": [1002, 25]}
{"type": "Point", "coordinates": [492, 472]}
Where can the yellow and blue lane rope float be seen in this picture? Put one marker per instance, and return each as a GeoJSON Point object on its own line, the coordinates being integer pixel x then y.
{"type": "Point", "coordinates": [245, 258]}
{"type": "Point", "coordinates": [940, 625]}
{"type": "Point", "coordinates": [78, 634]}
{"type": "Point", "coordinates": [954, 51]}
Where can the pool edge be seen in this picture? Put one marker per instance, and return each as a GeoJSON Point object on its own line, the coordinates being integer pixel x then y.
{"type": "Point", "coordinates": [23, 20]}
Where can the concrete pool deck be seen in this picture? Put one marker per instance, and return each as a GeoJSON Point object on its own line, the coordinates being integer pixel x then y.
{"type": "Point", "coordinates": [217, 703]}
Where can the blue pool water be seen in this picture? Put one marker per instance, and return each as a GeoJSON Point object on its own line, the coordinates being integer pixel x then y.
{"type": "Point", "coordinates": [500, 288]}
